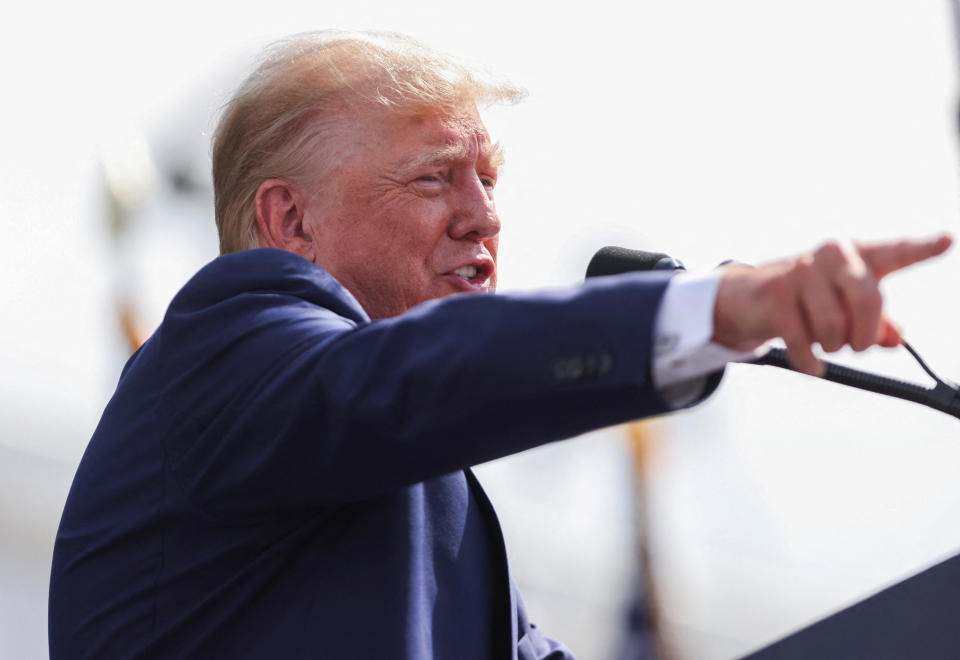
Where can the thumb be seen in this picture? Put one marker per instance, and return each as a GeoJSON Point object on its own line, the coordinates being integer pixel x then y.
{"type": "Point", "coordinates": [889, 334]}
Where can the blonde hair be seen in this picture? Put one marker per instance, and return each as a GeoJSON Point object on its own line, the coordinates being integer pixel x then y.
{"type": "Point", "coordinates": [282, 121]}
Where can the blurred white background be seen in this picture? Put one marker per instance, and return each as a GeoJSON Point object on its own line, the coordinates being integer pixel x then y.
{"type": "Point", "coordinates": [708, 130]}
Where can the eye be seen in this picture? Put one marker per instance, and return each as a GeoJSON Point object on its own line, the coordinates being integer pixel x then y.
{"type": "Point", "coordinates": [489, 183]}
{"type": "Point", "coordinates": [434, 177]}
{"type": "Point", "coordinates": [429, 184]}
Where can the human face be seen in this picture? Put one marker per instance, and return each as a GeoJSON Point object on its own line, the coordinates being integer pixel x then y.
{"type": "Point", "coordinates": [409, 216]}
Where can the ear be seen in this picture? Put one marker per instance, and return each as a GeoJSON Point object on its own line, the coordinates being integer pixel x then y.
{"type": "Point", "coordinates": [279, 207]}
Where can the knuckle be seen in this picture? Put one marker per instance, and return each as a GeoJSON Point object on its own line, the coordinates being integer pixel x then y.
{"type": "Point", "coordinates": [860, 344]}
{"type": "Point", "coordinates": [831, 251]}
{"type": "Point", "coordinates": [867, 299]}
{"type": "Point", "coordinates": [833, 327]}
{"type": "Point", "coordinates": [802, 269]}
{"type": "Point", "coordinates": [830, 342]}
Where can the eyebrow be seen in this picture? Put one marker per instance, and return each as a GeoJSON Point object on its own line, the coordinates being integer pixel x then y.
{"type": "Point", "coordinates": [493, 153]}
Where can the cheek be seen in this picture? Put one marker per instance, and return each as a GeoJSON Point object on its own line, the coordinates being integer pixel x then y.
{"type": "Point", "coordinates": [422, 227]}
{"type": "Point", "coordinates": [411, 219]}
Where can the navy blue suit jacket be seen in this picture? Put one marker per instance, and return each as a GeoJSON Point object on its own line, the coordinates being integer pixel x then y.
{"type": "Point", "coordinates": [278, 477]}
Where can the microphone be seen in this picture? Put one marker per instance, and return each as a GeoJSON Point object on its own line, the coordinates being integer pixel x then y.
{"type": "Point", "coordinates": [945, 396]}
{"type": "Point", "coordinates": [613, 260]}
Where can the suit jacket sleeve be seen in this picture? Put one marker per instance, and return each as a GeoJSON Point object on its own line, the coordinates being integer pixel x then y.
{"type": "Point", "coordinates": [280, 398]}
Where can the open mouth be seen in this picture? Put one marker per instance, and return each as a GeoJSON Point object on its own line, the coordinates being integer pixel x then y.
{"type": "Point", "coordinates": [467, 272]}
{"type": "Point", "coordinates": [476, 273]}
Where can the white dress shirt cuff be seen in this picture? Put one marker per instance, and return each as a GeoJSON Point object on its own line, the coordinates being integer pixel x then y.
{"type": "Point", "coordinates": [683, 355]}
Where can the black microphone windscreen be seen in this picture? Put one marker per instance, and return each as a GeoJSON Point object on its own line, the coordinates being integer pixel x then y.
{"type": "Point", "coordinates": [613, 260]}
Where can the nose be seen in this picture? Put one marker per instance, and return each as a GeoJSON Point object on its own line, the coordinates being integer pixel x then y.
{"type": "Point", "coordinates": [475, 216]}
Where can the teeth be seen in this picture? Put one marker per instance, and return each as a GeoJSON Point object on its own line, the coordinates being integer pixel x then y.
{"type": "Point", "coordinates": [467, 272]}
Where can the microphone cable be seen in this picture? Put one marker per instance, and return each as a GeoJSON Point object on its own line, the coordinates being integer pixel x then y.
{"type": "Point", "coordinates": [944, 396]}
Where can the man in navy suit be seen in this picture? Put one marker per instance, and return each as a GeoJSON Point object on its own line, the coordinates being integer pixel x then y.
{"type": "Point", "coordinates": [284, 469]}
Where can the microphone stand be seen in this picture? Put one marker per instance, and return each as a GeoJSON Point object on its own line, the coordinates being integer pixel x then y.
{"type": "Point", "coordinates": [944, 396]}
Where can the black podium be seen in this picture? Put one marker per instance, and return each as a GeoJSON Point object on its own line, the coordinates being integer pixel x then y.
{"type": "Point", "coordinates": [916, 619]}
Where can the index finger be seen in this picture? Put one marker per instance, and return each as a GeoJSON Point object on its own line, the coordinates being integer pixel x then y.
{"type": "Point", "coordinates": [884, 258]}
